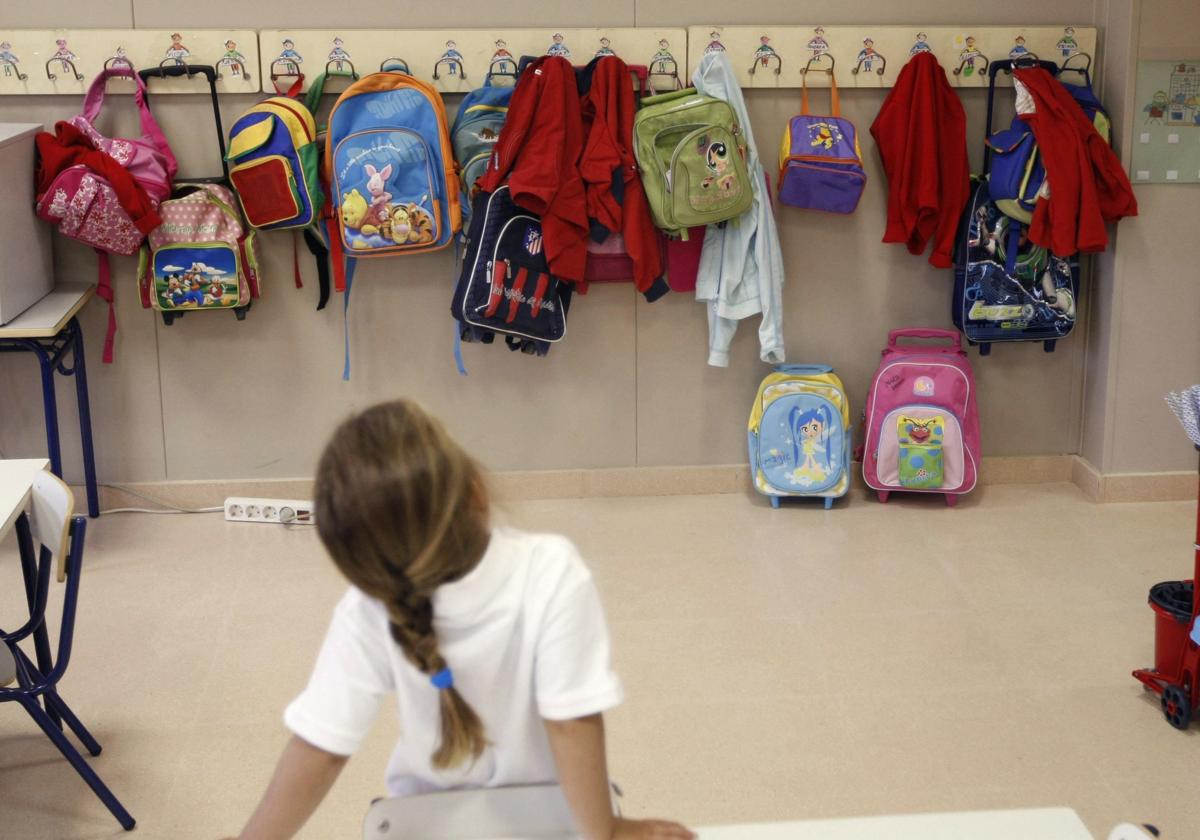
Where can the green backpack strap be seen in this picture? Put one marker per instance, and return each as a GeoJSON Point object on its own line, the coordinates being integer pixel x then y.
{"type": "Point", "coordinates": [312, 99]}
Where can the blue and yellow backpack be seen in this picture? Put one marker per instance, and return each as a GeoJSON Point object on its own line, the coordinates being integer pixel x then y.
{"type": "Point", "coordinates": [799, 434]}
{"type": "Point", "coordinates": [476, 130]}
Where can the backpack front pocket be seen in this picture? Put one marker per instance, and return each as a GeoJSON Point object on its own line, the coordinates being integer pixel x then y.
{"type": "Point", "coordinates": [267, 190]}
{"type": "Point", "coordinates": [801, 443]}
{"type": "Point", "coordinates": [921, 448]}
{"type": "Point", "coordinates": [820, 184]}
{"type": "Point", "coordinates": [386, 192]}
{"type": "Point", "coordinates": [707, 179]}
{"type": "Point", "coordinates": [196, 275]}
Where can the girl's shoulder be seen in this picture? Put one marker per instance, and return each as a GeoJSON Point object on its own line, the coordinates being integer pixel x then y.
{"type": "Point", "coordinates": [542, 552]}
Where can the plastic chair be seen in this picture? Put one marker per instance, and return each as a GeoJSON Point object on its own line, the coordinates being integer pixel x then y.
{"type": "Point", "coordinates": [51, 525]}
{"type": "Point", "coordinates": [527, 811]}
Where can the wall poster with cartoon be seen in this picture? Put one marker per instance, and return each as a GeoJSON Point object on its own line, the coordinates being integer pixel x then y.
{"type": "Point", "coordinates": [1166, 123]}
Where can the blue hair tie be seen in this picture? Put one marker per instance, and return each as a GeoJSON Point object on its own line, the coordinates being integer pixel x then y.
{"type": "Point", "coordinates": [443, 679]}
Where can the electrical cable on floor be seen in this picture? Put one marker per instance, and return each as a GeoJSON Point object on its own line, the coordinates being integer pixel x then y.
{"type": "Point", "coordinates": [167, 507]}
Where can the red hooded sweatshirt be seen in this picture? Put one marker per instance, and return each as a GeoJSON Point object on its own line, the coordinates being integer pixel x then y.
{"type": "Point", "coordinates": [538, 155]}
{"type": "Point", "coordinates": [616, 202]}
{"type": "Point", "coordinates": [921, 132]}
{"type": "Point", "coordinates": [1087, 183]}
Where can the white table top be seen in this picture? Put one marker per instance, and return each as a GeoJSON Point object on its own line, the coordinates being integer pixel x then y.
{"type": "Point", "coordinates": [47, 317]}
{"type": "Point", "coordinates": [1031, 824]}
{"type": "Point", "coordinates": [16, 480]}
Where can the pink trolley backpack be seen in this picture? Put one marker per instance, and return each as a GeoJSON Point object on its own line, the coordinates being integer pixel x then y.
{"type": "Point", "coordinates": [922, 424]}
{"type": "Point", "coordinates": [87, 182]}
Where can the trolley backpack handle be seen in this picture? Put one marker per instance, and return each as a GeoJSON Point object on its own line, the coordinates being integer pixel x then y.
{"type": "Point", "coordinates": [994, 69]}
{"type": "Point", "coordinates": [952, 336]}
{"type": "Point", "coordinates": [210, 73]}
{"type": "Point", "coordinates": [804, 370]}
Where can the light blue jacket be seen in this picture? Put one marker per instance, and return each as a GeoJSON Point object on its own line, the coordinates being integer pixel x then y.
{"type": "Point", "coordinates": [741, 265]}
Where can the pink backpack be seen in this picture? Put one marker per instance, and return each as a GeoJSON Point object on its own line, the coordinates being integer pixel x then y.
{"type": "Point", "coordinates": [922, 424]}
{"type": "Point", "coordinates": [83, 203]}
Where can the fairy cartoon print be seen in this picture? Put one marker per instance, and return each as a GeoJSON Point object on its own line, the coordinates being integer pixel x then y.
{"type": "Point", "coordinates": [810, 445]}
{"type": "Point", "coordinates": [177, 52]}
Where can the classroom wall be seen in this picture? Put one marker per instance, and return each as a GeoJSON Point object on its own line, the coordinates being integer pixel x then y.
{"type": "Point", "coordinates": [1144, 340]}
{"type": "Point", "coordinates": [213, 398]}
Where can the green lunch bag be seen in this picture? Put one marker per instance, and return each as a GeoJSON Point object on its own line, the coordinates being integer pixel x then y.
{"type": "Point", "coordinates": [691, 154]}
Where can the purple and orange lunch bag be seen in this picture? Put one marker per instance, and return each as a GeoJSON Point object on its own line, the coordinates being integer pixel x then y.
{"type": "Point", "coordinates": [820, 165]}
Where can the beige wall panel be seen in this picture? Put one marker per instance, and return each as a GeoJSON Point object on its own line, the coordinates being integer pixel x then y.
{"type": "Point", "coordinates": [257, 399]}
{"type": "Point", "coordinates": [1019, 12]}
{"type": "Point", "coordinates": [268, 14]}
{"type": "Point", "coordinates": [99, 14]}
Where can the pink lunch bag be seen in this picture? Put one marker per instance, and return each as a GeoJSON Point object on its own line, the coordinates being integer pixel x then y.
{"type": "Point", "coordinates": [83, 204]}
{"type": "Point", "coordinates": [922, 424]}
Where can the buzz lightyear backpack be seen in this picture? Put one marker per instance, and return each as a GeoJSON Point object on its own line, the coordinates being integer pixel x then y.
{"type": "Point", "coordinates": [799, 434]}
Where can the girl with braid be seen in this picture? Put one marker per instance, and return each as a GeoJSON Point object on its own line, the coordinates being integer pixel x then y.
{"type": "Point", "coordinates": [493, 640]}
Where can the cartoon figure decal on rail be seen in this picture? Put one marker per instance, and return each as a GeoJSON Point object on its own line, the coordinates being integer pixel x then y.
{"type": "Point", "coordinates": [502, 60]}
{"type": "Point", "coordinates": [234, 61]}
{"type": "Point", "coordinates": [338, 56]}
{"type": "Point", "coordinates": [118, 57]}
{"type": "Point", "coordinates": [970, 59]}
{"type": "Point", "coordinates": [605, 48]}
{"type": "Point", "coordinates": [664, 66]}
{"type": "Point", "coordinates": [9, 60]}
{"type": "Point", "coordinates": [921, 46]}
{"type": "Point", "coordinates": [868, 58]}
{"type": "Point", "coordinates": [765, 56]}
{"type": "Point", "coordinates": [65, 59]}
{"type": "Point", "coordinates": [811, 452]}
{"type": "Point", "coordinates": [714, 43]}
{"type": "Point", "coordinates": [817, 42]}
{"type": "Point", "coordinates": [1019, 50]}
{"type": "Point", "coordinates": [453, 59]}
{"type": "Point", "coordinates": [1067, 45]}
{"type": "Point", "coordinates": [289, 54]}
{"type": "Point", "coordinates": [177, 52]}
{"type": "Point", "coordinates": [558, 47]}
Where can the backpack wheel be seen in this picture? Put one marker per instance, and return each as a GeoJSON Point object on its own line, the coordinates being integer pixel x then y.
{"type": "Point", "coordinates": [985, 348]}
{"type": "Point", "coordinates": [239, 312]}
{"type": "Point", "coordinates": [883, 495]}
{"type": "Point", "coordinates": [169, 317]}
{"type": "Point", "coordinates": [775, 502]}
{"type": "Point", "coordinates": [1176, 708]}
{"type": "Point", "coordinates": [951, 500]}
{"type": "Point", "coordinates": [828, 502]}
{"type": "Point", "coordinates": [1048, 346]}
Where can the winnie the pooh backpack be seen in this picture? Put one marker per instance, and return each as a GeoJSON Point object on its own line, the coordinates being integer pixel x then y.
{"type": "Point", "coordinates": [922, 424]}
{"type": "Point", "coordinates": [391, 168]}
{"type": "Point", "coordinates": [800, 434]}
{"type": "Point", "coordinates": [820, 163]}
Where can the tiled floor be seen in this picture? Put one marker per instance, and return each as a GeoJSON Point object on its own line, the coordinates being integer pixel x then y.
{"type": "Point", "coordinates": [778, 664]}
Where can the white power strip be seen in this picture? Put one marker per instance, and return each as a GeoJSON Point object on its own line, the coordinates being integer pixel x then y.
{"type": "Point", "coordinates": [278, 511]}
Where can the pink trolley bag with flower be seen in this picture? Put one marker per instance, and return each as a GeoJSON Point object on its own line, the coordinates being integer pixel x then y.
{"type": "Point", "coordinates": [922, 424]}
{"type": "Point", "coordinates": [83, 203]}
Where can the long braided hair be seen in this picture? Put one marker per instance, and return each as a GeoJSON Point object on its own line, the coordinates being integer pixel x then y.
{"type": "Point", "coordinates": [402, 509]}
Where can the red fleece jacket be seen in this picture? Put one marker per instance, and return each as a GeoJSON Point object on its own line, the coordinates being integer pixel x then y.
{"type": "Point", "coordinates": [538, 155]}
{"type": "Point", "coordinates": [921, 132]}
{"type": "Point", "coordinates": [1088, 185]}
{"type": "Point", "coordinates": [69, 146]}
{"type": "Point", "coordinates": [608, 112]}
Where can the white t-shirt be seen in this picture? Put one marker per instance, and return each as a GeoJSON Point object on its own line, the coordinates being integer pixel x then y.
{"type": "Point", "coordinates": [525, 637]}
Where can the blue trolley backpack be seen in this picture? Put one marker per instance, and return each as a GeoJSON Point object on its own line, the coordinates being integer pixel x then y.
{"type": "Point", "coordinates": [799, 434]}
{"type": "Point", "coordinates": [1006, 288]}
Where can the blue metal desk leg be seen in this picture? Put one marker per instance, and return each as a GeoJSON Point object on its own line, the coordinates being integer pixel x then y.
{"type": "Point", "coordinates": [79, 369]}
{"type": "Point", "coordinates": [50, 408]}
{"type": "Point", "coordinates": [29, 571]}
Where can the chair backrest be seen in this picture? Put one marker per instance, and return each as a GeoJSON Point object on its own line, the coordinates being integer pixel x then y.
{"type": "Point", "coordinates": [50, 515]}
{"type": "Point", "coordinates": [528, 811]}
